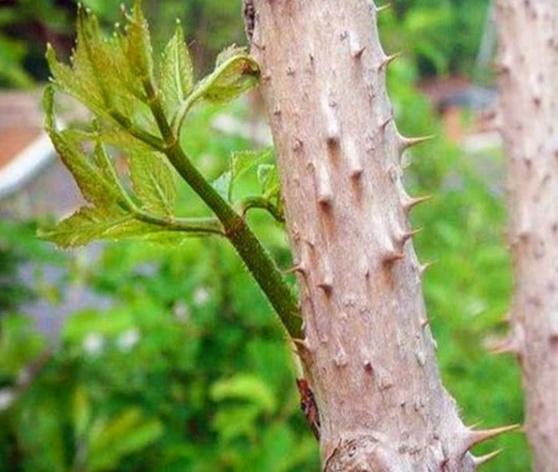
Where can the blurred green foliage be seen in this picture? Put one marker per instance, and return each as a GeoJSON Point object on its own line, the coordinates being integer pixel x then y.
{"type": "Point", "coordinates": [442, 35]}
{"type": "Point", "coordinates": [189, 370]}
{"type": "Point", "coordinates": [26, 25]}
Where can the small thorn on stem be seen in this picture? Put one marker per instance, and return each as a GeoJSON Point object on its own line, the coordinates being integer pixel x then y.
{"type": "Point", "coordinates": [481, 460]}
{"type": "Point", "coordinates": [382, 8]}
{"type": "Point", "coordinates": [358, 52]}
{"type": "Point", "coordinates": [408, 235]}
{"type": "Point", "coordinates": [507, 345]}
{"type": "Point", "coordinates": [384, 124]}
{"type": "Point", "coordinates": [406, 143]}
{"type": "Point", "coordinates": [324, 189]}
{"type": "Point", "coordinates": [326, 286]}
{"type": "Point", "coordinates": [411, 202]}
{"type": "Point", "coordinates": [300, 268]}
{"type": "Point", "coordinates": [392, 257]}
{"type": "Point", "coordinates": [356, 167]}
{"type": "Point", "coordinates": [333, 131]}
{"type": "Point", "coordinates": [325, 199]}
{"type": "Point", "coordinates": [388, 60]}
{"type": "Point", "coordinates": [424, 267]}
{"type": "Point", "coordinates": [302, 346]}
{"type": "Point", "coordinates": [477, 437]}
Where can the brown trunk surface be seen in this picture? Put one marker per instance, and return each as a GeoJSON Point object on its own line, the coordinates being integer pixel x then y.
{"type": "Point", "coordinates": [368, 352]}
{"type": "Point", "coordinates": [528, 66]}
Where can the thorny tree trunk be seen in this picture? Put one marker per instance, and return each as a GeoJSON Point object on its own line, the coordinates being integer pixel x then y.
{"type": "Point", "coordinates": [528, 65]}
{"type": "Point", "coordinates": [368, 353]}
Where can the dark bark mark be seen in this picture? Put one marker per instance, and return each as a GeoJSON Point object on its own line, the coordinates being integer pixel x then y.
{"type": "Point", "coordinates": [249, 12]}
{"type": "Point", "coordinates": [308, 406]}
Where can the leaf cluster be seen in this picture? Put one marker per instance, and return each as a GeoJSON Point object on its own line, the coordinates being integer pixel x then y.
{"type": "Point", "coordinates": [133, 99]}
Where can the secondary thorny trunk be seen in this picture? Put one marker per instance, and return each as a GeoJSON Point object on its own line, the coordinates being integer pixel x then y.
{"type": "Point", "coordinates": [528, 65]}
{"type": "Point", "coordinates": [368, 352]}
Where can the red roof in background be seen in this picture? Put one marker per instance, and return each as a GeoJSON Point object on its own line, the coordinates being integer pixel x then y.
{"type": "Point", "coordinates": [20, 123]}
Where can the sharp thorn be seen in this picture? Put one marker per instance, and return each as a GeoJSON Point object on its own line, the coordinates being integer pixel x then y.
{"type": "Point", "coordinates": [410, 234]}
{"type": "Point", "coordinates": [357, 53]}
{"type": "Point", "coordinates": [301, 345]}
{"type": "Point", "coordinates": [382, 8]}
{"type": "Point", "coordinates": [424, 267]}
{"type": "Point", "coordinates": [392, 257]}
{"type": "Point", "coordinates": [477, 437]}
{"type": "Point", "coordinates": [481, 460]}
{"type": "Point", "coordinates": [388, 60]}
{"type": "Point", "coordinates": [326, 286]}
{"type": "Point", "coordinates": [356, 173]}
{"type": "Point", "coordinates": [412, 202]}
{"type": "Point", "coordinates": [406, 143]}
{"type": "Point", "coordinates": [386, 122]}
{"type": "Point", "coordinates": [475, 425]}
{"type": "Point", "coordinates": [505, 345]}
{"type": "Point", "coordinates": [300, 268]}
{"type": "Point", "coordinates": [325, 199]}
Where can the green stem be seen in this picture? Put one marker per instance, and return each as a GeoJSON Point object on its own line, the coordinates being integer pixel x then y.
{"type": "Point", "coordinates": [259, 262]}
{"type": "Point", "coordinates": [188, 225]}
{"type": "Point", "coordinates": [262, 203]}
{"type": "Point", "coordinates": [147, 138]}
{"type": "Point", "coordinates": [184, 108]}
{"type": "Point", "coordinates": [256, 258]}
{"type": "Point", "coordinates": [199, 91]}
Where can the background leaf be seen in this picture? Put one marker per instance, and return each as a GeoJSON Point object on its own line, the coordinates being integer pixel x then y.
{"type": "Point", "coordinates": [245, 387]}
{"type": "Point", "coordinates": [110, 441]}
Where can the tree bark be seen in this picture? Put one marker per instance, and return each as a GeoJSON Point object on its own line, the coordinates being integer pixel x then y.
{"type": "Point", "coordinates": [368, 353]}
{"type": "Point", "coordinates": [528, 69]}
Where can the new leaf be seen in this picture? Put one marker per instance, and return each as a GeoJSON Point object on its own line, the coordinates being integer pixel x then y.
{"type": "Point", "coordinates": [176, 72]}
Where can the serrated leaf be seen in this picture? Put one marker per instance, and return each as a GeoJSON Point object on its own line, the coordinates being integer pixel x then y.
{"type": "Point", "coordinates": [153, 182]}
{"type": "Point", "coordinates": [176, 76]}
{"type": "Point", "coordinates": [242, 162]}
{"type": "Point", "coordinates": [90, 224]}
{"type": "Point", "coordinates": [138, 43]}
{"type": "Point", "coordinates": [85, 225]}
{"type": "Point", "coordinates": [100, 75]}
{"type": "Point", "coordinates": [231, 78]}
{"type": "Point", "coordinates": [268, 178]}
{"type": "Point", "coordinates": [106, 167]}
{"type": "Point", "coordinates": [109, 60]}
{"type": "Point", "coordinates": [222, 185]}
{"type": "Point", "coordinates": [76, 81]}
{"type": "Point", "coordinates": [94, 186]}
